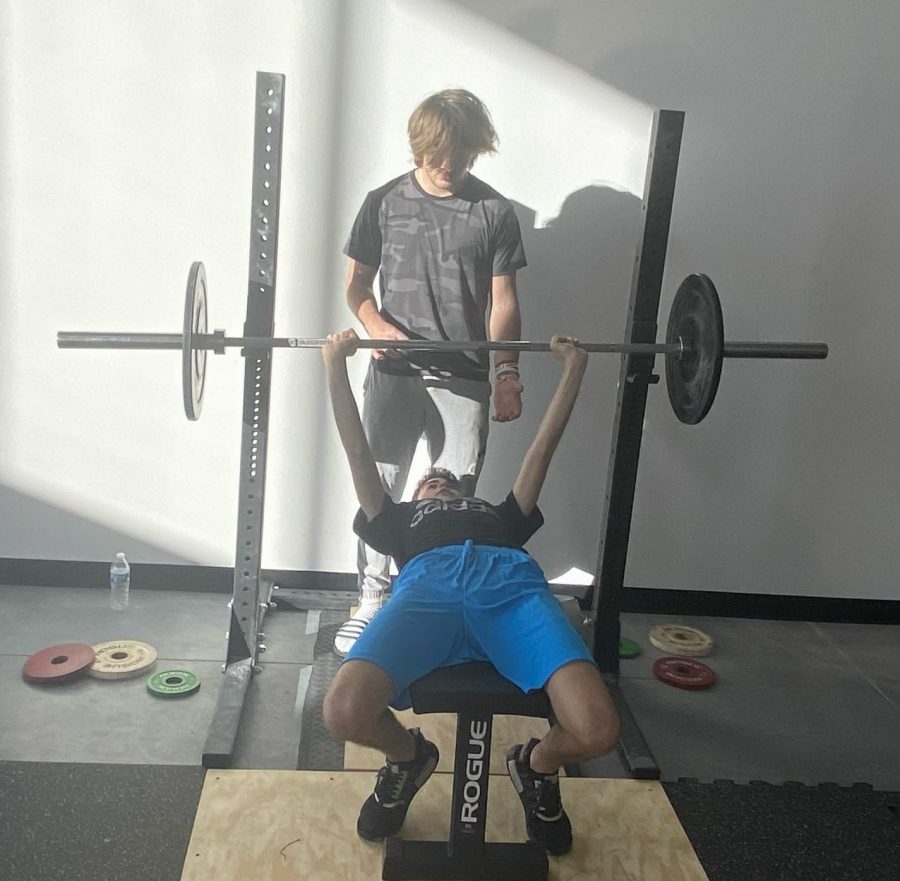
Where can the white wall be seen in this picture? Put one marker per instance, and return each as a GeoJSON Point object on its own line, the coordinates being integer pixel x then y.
{"type": "Point", "coordinates": [788, 198]}
{"type": "Point", "coordinates": [126, 136]}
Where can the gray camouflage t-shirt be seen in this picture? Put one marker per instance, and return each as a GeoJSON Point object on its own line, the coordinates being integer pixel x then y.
{"type": "Point", "coordinates": [436, 258]}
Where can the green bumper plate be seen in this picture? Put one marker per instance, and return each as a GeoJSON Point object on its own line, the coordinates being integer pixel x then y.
{"type": "Point", "coordinates": [173, 683]}
{"type": "Point", "coordinates": [628, 648]}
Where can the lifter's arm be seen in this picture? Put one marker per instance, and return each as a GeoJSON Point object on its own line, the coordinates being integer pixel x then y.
{"type": "Point", "coordinates": [368, 486]}
{"type": "Point", "coordinates": [531, 477]}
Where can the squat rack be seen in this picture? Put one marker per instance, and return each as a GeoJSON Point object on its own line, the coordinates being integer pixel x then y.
{"type": "Point", "coordinates": [635, 375]}
{"type": "Point", "coordinates": [694, 348]}
{"type": "Point", "coordinates": [252, 594]}
{"type": "Point", "coordinates": [250, 598]}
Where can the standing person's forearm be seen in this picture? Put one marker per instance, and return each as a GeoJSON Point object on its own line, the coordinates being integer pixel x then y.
{"type": "Point", "coordinates": [360, 292]}
{"type": "Point", "coordinates": [505, 324]}
{"type": "Point", "coordinates": [361, 301]}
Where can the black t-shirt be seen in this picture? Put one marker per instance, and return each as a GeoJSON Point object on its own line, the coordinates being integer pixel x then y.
{"type": "Point", "coordinates": [406, 529]}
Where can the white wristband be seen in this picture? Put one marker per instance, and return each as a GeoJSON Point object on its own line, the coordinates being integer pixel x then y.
{"type": "Point", "coordinates": [508, 368]}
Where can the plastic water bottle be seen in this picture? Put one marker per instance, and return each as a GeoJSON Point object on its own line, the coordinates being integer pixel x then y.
{"type": "Point", "coordinates": [119, 582]}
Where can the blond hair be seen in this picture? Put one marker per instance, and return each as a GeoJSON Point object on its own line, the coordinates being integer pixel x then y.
{"type": "Point", "coordinates": [451, 125]}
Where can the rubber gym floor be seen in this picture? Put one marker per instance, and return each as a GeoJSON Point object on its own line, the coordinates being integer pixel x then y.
{"type": "Point", "coordinates": [786, 769]}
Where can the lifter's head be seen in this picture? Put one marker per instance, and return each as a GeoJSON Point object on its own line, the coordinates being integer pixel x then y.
{"type": "Point", "coordinates": [438, 483]}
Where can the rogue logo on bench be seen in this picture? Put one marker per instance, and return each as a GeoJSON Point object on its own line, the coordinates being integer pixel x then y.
{"type": "Point", "coordinates": [476, 768]}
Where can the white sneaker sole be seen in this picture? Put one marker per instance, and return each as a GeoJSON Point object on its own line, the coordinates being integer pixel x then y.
{"type": "Point", "coordinates": [347, 634]}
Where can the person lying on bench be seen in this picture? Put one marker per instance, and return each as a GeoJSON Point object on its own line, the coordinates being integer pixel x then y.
{"type": "Point", "coordinates": [466, 591]}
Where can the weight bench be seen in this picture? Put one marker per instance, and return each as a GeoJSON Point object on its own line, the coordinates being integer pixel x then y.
{"type": "Point", "coordinates": [475, 692]}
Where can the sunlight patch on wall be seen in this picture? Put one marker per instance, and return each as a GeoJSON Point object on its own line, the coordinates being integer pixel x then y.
{"type": "Point", "coordinates": [138, 163]}
{"type": "Point", "coordinates": [560, 129]}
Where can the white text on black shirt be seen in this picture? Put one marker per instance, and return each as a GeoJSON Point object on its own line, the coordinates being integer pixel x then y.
{"type": "Point", "coordinates": [431, 506]}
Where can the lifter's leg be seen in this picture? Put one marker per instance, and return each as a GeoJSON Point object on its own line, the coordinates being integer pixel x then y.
{"type": "Point", "coordinates": [587, 724]}
{"type": "Point", "coordinates": [356, 709]}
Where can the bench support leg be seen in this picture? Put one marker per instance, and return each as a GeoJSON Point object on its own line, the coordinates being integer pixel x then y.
{"type": "Point", "coordinates": [466, 856]}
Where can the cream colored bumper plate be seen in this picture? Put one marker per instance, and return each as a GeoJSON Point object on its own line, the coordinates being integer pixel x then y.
{"type": "Point", "coordinates": [677, 639]}
{"type": "Point", "coordinates": [122, 659]}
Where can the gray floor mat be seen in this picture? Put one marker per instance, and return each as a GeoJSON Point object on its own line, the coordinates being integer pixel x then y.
{"type": "Point", "coordinates": [104, 822]}
{"type": "Point", "coordinates": [318, 750]}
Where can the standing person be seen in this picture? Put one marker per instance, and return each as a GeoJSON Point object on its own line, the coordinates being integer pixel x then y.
{"type": "Point", "coordinates": [446, 248]}
{"type": "Point", "coordinates": [466, 591]}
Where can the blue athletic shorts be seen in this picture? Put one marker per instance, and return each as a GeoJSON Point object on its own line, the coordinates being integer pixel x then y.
{"type": "Point", "coordinates": [470, 602]}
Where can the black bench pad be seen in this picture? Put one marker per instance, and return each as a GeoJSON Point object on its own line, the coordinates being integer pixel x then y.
{"type": "Point", "coordinates": [475, 688]}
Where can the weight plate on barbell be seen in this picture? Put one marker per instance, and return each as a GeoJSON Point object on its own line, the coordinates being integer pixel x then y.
{"type": "Point", "coordinates": [696, 320]}
{"type": "Point", "coordinates": [193, 360]}
{"type": "Point", "coordinates": [677, 639]}
{"type": "Point", "coordinates": [122, 659]}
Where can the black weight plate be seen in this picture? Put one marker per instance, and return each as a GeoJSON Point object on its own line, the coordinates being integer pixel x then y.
{"type": "Point", "coordinates": [193, 360]}
{"type": "Point", "coordinates": [692, 379]}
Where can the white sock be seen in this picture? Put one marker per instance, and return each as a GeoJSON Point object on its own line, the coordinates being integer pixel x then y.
{"type": "Point", "coordinates": [352, 629]}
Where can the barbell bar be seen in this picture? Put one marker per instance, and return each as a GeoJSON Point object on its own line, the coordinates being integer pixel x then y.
{"type": "Point", "coordinates": [694, 348]}
{"type": "Point", "coordinates": [218, 342]}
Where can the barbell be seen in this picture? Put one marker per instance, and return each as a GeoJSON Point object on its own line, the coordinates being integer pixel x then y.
{"type": "Point", "coordinates": [694, 348]}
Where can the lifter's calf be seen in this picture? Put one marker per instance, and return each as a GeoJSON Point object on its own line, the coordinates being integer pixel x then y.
{"type": "Point", "coordinates": [356, 709]}
{"type": "Point", "coordinates": [587, 724]}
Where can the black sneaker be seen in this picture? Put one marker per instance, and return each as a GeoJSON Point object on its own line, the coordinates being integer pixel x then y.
{"type": "Point", "coordinates": [545, 819]}
{"type": "Point", "coordinates": [385, 809]}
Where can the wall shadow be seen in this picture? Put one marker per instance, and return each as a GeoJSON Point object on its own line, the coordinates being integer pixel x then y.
{"type": "Point", "coordinates": [40, 531]}
{"type": "Point", "coordinates": [577, 282]}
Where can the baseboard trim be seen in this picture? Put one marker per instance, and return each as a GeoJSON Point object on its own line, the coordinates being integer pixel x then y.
{"type": "Point", "coordinates": [89, 573]}
{"type": "Point", "coordinates": [655, 601]}
{"type": "Point", "coordinates": [721, 604]}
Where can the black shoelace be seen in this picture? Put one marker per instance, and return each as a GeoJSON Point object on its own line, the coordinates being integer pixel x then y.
{"type": "Point", "coordinates": [549, 803]}
{"type": "Point", "coordinates": [391, 782]}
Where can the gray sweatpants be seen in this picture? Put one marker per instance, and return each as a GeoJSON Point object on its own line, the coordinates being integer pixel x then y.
{"type": "Point", "coordinates": [452, 413]}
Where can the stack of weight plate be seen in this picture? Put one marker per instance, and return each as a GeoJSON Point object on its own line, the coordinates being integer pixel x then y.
{"type": "Point", "coordinates": [685, 644]}
{"type": "Point", "coordinates": [119, 659]}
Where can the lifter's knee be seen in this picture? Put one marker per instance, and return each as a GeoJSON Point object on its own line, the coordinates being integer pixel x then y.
{"type": "Point", "coordinates": [596, 733]}
{"type": "Point", "coordinates": [359, 693]}
{"type": "Point", "coordinates": [584, 708]}
{"type": "Point", "coordinates": [340, 715]}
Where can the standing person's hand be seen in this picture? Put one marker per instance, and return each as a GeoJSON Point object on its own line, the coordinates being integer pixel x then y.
{"type": "Point", "coordinates": [386, 331]}
{"type": "Point", "coordinates": [508, 390]}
